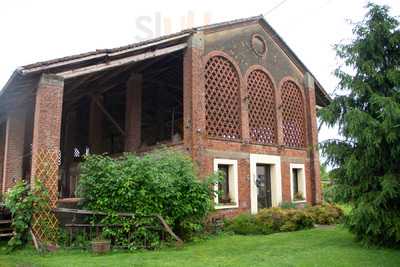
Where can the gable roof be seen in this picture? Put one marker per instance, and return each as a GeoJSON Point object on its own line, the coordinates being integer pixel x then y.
{"type": "Point", "coordinates": [105, 55]}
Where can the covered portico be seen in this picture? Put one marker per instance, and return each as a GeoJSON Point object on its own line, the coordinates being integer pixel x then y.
{"type": "Point", "coordinates": [128, 99]}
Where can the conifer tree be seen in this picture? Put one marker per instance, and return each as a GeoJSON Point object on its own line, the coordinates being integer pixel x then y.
{"type": "Point", "coordinates": [366, 160]}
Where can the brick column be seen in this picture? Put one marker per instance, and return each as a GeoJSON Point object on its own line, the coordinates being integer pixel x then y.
{"type": "Point", "coordinates": [312, 138]}
{"type": "Point", "coordinates": [279, 119]}
{"type": "Point", "coordinates": [46, 133]}
{"type": "Point", "coordinates": [133, 113]}
{"type": "Point", "coordinates": [194, 120]}
{"type": "Point", "coordinates": [13, 147]}
{"type": "Point", "coordinates": [70, 135]}
{"type": "Point", "coordinates": [2, 148]}
{"type": "Point", "coordinates": [96, 126]}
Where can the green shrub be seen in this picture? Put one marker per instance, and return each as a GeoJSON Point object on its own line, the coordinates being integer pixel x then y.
{"type": "Point", "coordinates": [325, 214]}
{"type": "Point", "coordinates": [287, 205]}
{"type": "Point", "coordinates": [284, 220]}
{"type": "Point", "coordinates": [269, 221]}
{"type": "Point", "coordinates": [162, 182]}
{"type": "Point", "coordinates": [23, 203]}
{"type": "Point", "coordinates": [244, 224]}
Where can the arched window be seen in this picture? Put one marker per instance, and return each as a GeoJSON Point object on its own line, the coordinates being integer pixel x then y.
{"type": "Point", "coordinates": [222, 86]}
{"type": "Point", "coordinates": [262, 110]}
{"type": "Point", "coordinates": [293, 115]}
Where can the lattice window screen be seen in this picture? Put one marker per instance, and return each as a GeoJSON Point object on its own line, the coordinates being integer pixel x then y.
{"type": "Point", "coordinates": [222, 88]}
{"type": "Point", "coordinates": [293, 115]}
{"type": "Point", "coordinates": [262, 113]}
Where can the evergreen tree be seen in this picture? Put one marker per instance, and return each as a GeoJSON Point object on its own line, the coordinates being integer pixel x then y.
{"type": "Point", "coordinates": [366, 160]}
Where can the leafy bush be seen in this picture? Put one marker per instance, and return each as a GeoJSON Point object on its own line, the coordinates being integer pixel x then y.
{"type": "Point", "coordinates": [325, 214]}
{"type": "Point", "coordinates": [269, 221]}
{"type": "Point", "coordinates": [287, 205]}
{"type": "Point", "coordinates": [162, 182]}
{"type": "Point", "coordinates": [23, 203]}
{"type": "Point", "coordinates": [284, 220]}
{"type": "Point", "coordinates": [244, 224]}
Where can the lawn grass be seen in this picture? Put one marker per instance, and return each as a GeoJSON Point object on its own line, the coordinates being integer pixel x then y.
{"type": "Point", "coordinates": [316, 247]}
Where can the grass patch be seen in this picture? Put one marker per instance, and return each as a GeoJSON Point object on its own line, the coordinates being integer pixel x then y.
{"type": "Point", "coordinates": [315, 247]}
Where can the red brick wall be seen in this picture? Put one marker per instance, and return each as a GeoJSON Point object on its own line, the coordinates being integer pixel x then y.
{"type": "Point", "coordinates": [205, 150]}
{"type": "Point", "coordinates": [193, 97]}
{"type": "Point", "coordinates": [47, 120]}
{"type": "Point", "coordinates": [239, 151]}
{"type": "Point", "coordinates": [13, 148]}
{"type": "Point", "coordinates": [133, 114]}
{"type": "Point", "coordinates": [2, 144]}
{"type": "Point", "coordinates": [313, 139]}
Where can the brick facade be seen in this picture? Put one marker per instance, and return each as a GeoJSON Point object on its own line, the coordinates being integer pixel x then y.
{"type": "Point", "coordinates": [240, 52]}
{"type": "Point", "coordinates": [234, 45]}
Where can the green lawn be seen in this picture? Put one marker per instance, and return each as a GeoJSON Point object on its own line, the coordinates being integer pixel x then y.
{"type": "Point", "coordinates": [316, 247]}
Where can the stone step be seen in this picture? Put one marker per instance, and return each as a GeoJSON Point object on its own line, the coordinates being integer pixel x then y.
{"type": "Point", "coordinates": [5, 221]}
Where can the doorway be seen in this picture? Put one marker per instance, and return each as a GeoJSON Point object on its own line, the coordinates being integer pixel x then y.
{"type": "Point", "coordinates": [263, 183]}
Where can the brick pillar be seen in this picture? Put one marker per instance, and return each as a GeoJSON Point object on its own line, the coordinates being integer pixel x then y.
{"type": "Point", "coordinates": [2, 144]}
{"type": "Point", "coordinates": [244, 112]}
{"type": "Point", "coordinates": [13, 148]}
{"type": "Point", "coordinates": [312, 137]}
{"type": "Point", "coordinates": [2, 148]}
{"type": "Point", "coordinates": [279, 123]}
{"type": "Point", "coordinates": [46, 133]}
{"type": "Point", "coordinates": [194, 116]}
{"type": "Point", "coordinates": [133, 113]}
{"type": "Point", "coordinates": [70, 143]}
{"type": "Point", "coordinates": [96, 119]}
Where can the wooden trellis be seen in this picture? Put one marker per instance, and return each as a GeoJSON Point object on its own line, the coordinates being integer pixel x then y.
{"type": "Point", "coordinates": [262, 112]}
{"type": "Point", "coordinates": [222, 99]}
{"type": "Point", "coordinates": [294, 133]}
{"type": "Point", "coordinates": [45, 223]}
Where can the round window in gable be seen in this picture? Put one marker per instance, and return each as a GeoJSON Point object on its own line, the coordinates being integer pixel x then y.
{"type": "Point", "coordinates": [259, 45]}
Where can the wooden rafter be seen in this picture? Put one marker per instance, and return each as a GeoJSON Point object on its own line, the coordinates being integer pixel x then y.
{"type": "Point", "coordinates": [120, 62]}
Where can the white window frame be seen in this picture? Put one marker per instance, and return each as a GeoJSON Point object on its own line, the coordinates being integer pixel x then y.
{"type": "Point", "coordinates": [276, 179]}
{"type": "Point", "coordinates": [302, 176]}
{"type": "Point", "coordinates": [233, 183]}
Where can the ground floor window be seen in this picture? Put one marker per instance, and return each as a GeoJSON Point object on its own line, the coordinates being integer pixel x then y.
{"type": "Point", "coordinates": [228, 186]}
{"type": "Point", "coordinates": [298, 182]}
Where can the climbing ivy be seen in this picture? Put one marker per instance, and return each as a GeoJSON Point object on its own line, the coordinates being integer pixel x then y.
{"type": "Point", "coordinates": [23, 203]}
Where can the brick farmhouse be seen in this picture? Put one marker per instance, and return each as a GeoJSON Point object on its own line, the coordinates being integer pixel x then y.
{"type": "Point", "coordinates": [232, 95]}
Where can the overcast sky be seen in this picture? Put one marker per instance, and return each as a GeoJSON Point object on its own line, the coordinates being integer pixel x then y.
{"type": "Point", "coordinates": [34, 31]}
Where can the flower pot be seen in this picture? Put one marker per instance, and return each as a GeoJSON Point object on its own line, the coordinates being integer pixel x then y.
{"type": "Point", "coordinates": [52, 247]}
{"type": "Point", "coordinates": [101, 246]}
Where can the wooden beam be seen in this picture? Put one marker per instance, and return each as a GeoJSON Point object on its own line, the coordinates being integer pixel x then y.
{"type": "Point", "coordinates": [119, 62]}
{"type": "Point", "coordinates": [122, 214]}
{"type": "Point", "coordinates": [78, 83]}
{"type": "Point", "coordinates": [108, 115]}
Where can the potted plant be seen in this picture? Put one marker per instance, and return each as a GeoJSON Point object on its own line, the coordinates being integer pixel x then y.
{"type": "Point", "coordinates": [100, 245]}
{"type": "Point", "coordinates": [298, 196]}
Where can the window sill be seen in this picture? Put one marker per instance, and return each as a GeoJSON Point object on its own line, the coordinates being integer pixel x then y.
{"type": "Point", "coordinates": [226, 206]}
{"type": "Point", "coordinates": [299, 201]}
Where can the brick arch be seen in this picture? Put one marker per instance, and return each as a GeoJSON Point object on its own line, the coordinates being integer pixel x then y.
{"type": "Point", "coordinates": [293, 113]}
{"type": "Point", "coordinates": [262, 106]}
{"type": "Point", "coordinates": [222, 82]}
